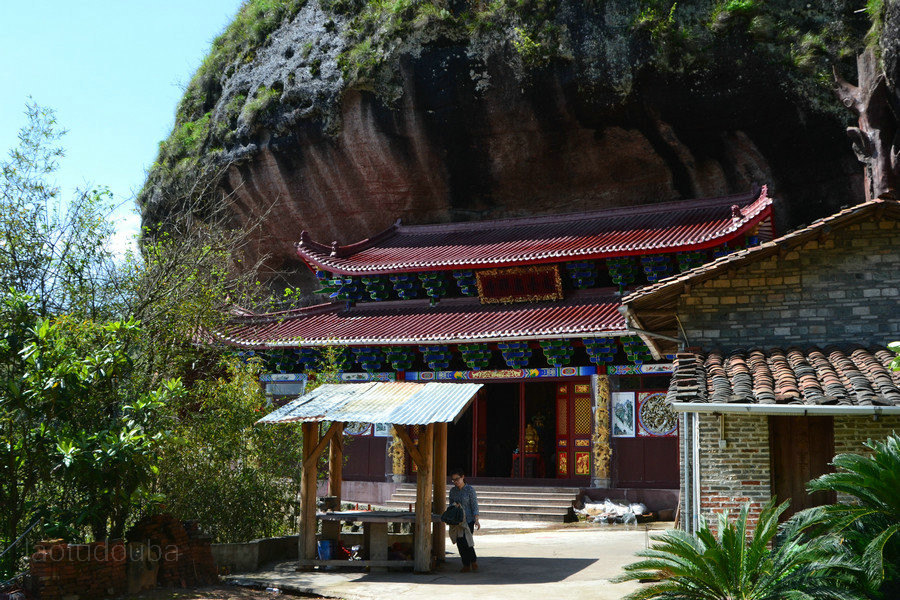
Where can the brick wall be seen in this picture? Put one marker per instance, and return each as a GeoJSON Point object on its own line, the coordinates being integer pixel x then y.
{"type": "Point", "coordinates": [92, 570]}
{"type": "Point", "coordinates": [843, 288]}
{"type": "Point", "coordinates": [738, 473]}
{"type": "Point", "coordinates": [100, 569]}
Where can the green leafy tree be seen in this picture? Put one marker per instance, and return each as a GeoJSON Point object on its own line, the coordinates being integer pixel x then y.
{"type": "Point", "coordinates": [52, 248]}
{"type": "Point", "coordinates": [734, 562]}
{"type": "Point", "coordinates": [238, 480]}
{"type": "Point", "coordinates": [89, 399]}
{"type": "Point", "coordinates": [870, 523]}
{"type": "Point", "coordinates": [79, 442]}
{"type": "Point", "coordinates": [26, 442]}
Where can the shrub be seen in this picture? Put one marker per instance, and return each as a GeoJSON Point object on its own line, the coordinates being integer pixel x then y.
{"type": "Point", "coordinates": [870, 525]}
{"type": "Point", "coordinates": [234, 478]}
{"type": "Point", "coordinates": [735, 562]}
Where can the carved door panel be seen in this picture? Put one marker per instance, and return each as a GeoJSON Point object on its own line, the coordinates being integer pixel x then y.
{"type": "Point", "coordinates": [574, 422]}
{"type": "Point", "coordinates": [582, 422]}
{"type": "Point", "coordinates": [563, 447]}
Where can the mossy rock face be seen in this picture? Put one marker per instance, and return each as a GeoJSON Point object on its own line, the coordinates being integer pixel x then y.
{"type": "Point", "coordinates": [352, 113]}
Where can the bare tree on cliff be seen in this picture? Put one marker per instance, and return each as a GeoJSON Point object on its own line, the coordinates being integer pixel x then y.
{"type": "Point", "coordinates": [875, 140]}
{"type": "Point", "coordinates": [192, 273]}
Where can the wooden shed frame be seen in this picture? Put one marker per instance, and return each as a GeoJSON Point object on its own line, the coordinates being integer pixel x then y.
{"type": "Point", "coordinates": [430, 456]}
{"type": "Point", "coordinates": [425, 405]}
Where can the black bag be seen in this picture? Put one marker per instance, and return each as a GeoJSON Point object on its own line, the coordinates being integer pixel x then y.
{"type": "Point", "coordinates": [453, 515]}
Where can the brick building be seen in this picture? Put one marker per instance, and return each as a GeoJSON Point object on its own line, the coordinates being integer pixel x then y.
{"type": "Point", "coordinates": [786, 362]}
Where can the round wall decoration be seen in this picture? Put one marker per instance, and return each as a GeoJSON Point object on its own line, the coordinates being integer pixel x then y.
{"type": "Point", "coordinates": [655, 415]}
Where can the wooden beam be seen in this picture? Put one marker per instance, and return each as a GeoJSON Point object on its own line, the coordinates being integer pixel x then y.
{"type": "Point", "coordinates": [649, 341]}
{"type": "Point", "coordinates": [653, 313]}
{"type": "Point", "coordinates": [320, 446]}
{"type": "Point", "coordinates": [336, 461]}
{"type": "Point", "coordinates": [414, 453]}
{"type": "Point", "coordinates": [422, 549]}
{"type": "Point", "coordinates": [439, 532]}
{"type": "Point", "coordinates": [306, 546]}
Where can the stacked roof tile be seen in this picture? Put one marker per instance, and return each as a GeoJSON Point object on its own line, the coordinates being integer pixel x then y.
{"type": "Point", "coordinates": [834, 376]}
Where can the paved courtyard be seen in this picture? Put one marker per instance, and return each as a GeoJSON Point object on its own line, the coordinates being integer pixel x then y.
{"type": "Point", "coordinates": [570, 562]}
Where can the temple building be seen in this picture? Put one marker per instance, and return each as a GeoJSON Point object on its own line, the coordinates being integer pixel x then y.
{"type": "Point", "coordinates": [574, 390]}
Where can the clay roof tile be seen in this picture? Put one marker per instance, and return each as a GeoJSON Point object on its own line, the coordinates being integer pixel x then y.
{"type": "Point", "coordinates": [850, 376]}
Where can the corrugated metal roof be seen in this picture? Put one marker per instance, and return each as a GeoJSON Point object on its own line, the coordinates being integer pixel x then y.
{"type": "Point", "coordinates": [399, 403]}
{"type": "Point", "coordinates": [454, 320]}
{"type": "Point", "coordinates": [663, 227]}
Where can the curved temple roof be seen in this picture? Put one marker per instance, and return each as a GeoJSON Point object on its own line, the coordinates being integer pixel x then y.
{"type": "Point", "coordinates": [455, 320]}
{"type": "Point", "coordinates": [662, 227]}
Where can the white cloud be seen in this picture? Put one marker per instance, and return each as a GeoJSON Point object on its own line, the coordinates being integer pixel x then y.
{"type": "Point", "coordinates": [128, 226]}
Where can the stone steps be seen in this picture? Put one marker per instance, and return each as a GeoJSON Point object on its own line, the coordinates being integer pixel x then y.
{"type": "Point", "coordinates": [507, 503]}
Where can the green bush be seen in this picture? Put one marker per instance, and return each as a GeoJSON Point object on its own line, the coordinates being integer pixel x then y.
{"type": "Point", "coordinates": [262, 102]}
{"type": "Point", "coordinates": [870, 524]}
{"type": "Point", "coordinates": [735, 562]}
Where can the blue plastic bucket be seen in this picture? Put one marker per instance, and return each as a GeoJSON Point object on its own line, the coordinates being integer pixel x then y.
{"type": "Point", "coordinates": [325, 549]}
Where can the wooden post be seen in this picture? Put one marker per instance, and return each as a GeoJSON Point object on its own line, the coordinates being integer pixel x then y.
{"type": "Point", "coordinates": [336, 461]}
{"type": "Point", "coordinates": [601, 446]}
{"type": "Point", "coordinates": [306, 547]}
{"type": "Point", "coordinates": [331, 530]}
{"type": "Point", "coordinates": [422, 549]}
{"type": "Point", "coordinates": [439, 536]}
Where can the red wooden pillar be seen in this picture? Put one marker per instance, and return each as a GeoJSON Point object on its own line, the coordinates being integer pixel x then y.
{"type": "Point", "coordinates": [521, 442]}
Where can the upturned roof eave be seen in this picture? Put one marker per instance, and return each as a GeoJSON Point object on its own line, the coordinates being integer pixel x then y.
{"type": "Point", "coordinates": [320, 260]}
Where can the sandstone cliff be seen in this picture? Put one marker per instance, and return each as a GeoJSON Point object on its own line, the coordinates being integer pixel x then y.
{"type": "Point", "coordinates": [349, 114]}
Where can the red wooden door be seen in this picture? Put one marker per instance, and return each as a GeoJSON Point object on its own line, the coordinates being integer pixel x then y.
{"type": "Point", "coordinates": [574, 421]}
{"type": "Point", "coordinates": [647, 457]}
{"type": "Point", "coordinates": [479, 439]}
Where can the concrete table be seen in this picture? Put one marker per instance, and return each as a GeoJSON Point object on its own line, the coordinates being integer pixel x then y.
{"type": "Point", "coordinates": [375, 536]}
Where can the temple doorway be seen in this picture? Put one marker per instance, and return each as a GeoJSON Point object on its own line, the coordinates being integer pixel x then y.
{"type": "Point", "coordinates": [459, 440]}
{"type": "Point", "coordinates": [536, 430]}
{"type": "Point", "coordinates": [498, 431]}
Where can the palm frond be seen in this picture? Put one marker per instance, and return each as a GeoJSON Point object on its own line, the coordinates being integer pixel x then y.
{"type": "Point", "coordinates": [873, 555]}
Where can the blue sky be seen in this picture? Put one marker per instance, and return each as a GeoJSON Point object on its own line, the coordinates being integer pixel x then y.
{"type": "Point", "coordinates": [114, 71]}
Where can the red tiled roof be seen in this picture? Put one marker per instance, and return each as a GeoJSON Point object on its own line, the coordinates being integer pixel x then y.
{"type": "Point", "coordinates": [834, 376]}
{"type": "Point", "coordinates": [454, 320]}
{"type": "Point", "coordinates": [662, 227]}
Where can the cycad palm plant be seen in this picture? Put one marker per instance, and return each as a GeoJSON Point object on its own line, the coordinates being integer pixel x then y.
{"type": "Point", "coordinates": [734, 563]}
{"type": "Point", "coordinates": [870, 525]}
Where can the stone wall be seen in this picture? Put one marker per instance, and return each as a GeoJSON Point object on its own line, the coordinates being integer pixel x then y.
{"type": "Point", "coordinates": [842, 288]}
